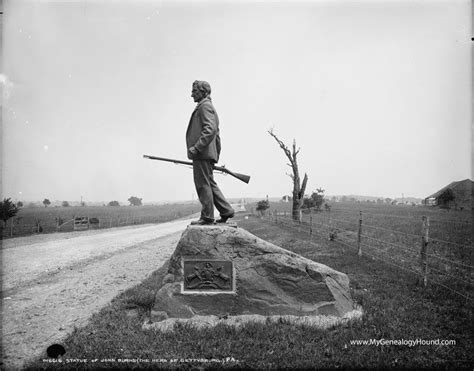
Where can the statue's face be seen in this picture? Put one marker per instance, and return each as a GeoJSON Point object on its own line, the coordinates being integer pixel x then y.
{"type": "Point", "coordinates": [196, 94]}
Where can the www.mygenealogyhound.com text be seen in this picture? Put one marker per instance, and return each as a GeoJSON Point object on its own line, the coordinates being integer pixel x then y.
{"type": "Point", "coordinates": [406, 342]}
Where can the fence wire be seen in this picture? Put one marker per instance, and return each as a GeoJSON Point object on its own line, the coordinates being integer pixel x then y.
{"type": "Point", "coordinates": [386, 251]}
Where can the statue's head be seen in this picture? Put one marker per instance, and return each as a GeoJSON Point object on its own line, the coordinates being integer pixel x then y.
{"type": "Point", "coordinates": [201, 89]}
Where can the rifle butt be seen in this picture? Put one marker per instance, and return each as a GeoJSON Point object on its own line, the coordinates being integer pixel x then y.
{"type": "Point", "coordinates": [244, 178]}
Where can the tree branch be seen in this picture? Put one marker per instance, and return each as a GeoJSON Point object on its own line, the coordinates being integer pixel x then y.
{"type": "Point", "coordinates": [282, 145]}
{"type": "Point", "coordinates": [303, 185]}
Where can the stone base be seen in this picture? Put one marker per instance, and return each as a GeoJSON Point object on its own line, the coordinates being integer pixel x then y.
{"type": "Point", "coordinates": [222, 273]}
{"type": "Point", "coordinates": [199, 322]}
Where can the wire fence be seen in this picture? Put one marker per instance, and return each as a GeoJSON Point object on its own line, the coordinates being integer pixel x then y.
{"type": "Point", "coordinates": [436, 253]}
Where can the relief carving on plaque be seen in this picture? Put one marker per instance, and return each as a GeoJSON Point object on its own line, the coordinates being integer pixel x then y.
{"type": "Point", "coordinates": [207, 275]}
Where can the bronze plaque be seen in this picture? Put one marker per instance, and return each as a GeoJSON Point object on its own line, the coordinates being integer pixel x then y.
{"type": "Point", "coordinates": [208, 275]}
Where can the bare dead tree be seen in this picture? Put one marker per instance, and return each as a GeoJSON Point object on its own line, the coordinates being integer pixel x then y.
{"type": "Point", "coordinates": [298, 186]}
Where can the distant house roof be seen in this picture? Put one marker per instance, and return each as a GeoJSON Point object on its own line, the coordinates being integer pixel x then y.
{"type": "Point", "coordinates": [453, 186]}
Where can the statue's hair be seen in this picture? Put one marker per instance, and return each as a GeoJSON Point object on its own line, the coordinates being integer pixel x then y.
{"type": "Point", "coordinates": [203, 86]}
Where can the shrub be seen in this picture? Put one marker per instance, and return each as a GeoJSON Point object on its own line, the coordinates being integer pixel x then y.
{"type": "Point", "coordinates": [8, 209]}
{"type": "Point", "coordinates": [262, 206]}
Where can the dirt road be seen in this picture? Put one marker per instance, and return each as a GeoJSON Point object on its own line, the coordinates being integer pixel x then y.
{"type": "Point", "coordinates": [54, 282]}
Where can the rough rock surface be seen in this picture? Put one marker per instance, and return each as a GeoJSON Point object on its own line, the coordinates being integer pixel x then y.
{"type": "Point", "coordinates": [269, 280]}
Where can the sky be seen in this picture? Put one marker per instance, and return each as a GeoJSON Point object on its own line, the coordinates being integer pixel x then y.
{"type": "Point", "coordinates": [376, 94]}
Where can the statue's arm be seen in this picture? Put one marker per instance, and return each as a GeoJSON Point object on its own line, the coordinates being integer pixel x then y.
{"type": "Point", "coordinates": [208, 128]}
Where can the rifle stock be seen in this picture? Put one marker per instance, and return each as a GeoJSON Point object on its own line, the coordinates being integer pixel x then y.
{"type": "Point", "coordinates": [242, 177]}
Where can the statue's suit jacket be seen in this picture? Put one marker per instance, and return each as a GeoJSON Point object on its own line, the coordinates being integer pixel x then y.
{"type": "Point", "coordinates": [203, 132]}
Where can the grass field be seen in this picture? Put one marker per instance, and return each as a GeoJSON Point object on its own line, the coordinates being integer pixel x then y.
{"type": "Point", "coordinates": [394, 235]}
{"type": "Point", "coordinates": [25, 222]}
{"type": "Point", "coordinates": [396, 307]}
{"type": "Point", "coordinates": [453, 225]}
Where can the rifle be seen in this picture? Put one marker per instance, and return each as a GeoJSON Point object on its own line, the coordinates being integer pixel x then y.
{"type": "Point", "coordinates": [244, 178]}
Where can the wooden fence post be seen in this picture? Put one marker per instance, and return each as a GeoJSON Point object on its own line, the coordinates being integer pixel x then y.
{"type": "Point", "coordinates": [425, 230]}
{"type": "Point", "coordinates": [359, 233]}
{"type": "Point", "coordinates": [310, 223]}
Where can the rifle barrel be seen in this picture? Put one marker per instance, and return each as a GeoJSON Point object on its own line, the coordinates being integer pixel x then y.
{"type": "Point", "coordinates": [168, 160]}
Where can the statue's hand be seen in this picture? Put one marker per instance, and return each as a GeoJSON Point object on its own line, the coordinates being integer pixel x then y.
{"type": "Point", "coordinates": [192, 152]}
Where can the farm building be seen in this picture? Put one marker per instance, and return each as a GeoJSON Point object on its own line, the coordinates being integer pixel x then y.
{"type": "Point", "coordinates": [456, 195]}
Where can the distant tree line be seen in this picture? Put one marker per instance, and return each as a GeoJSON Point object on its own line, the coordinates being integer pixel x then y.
{"type": "Point", "coordinates": [135, 201]}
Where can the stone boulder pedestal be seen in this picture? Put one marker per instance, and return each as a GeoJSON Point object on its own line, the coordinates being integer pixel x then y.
{"type": "Point", "coordinates": [220, 273]}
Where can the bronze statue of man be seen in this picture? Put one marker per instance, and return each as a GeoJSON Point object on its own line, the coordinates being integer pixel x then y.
{"type": "Point", "coordinates": [204, 147]}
